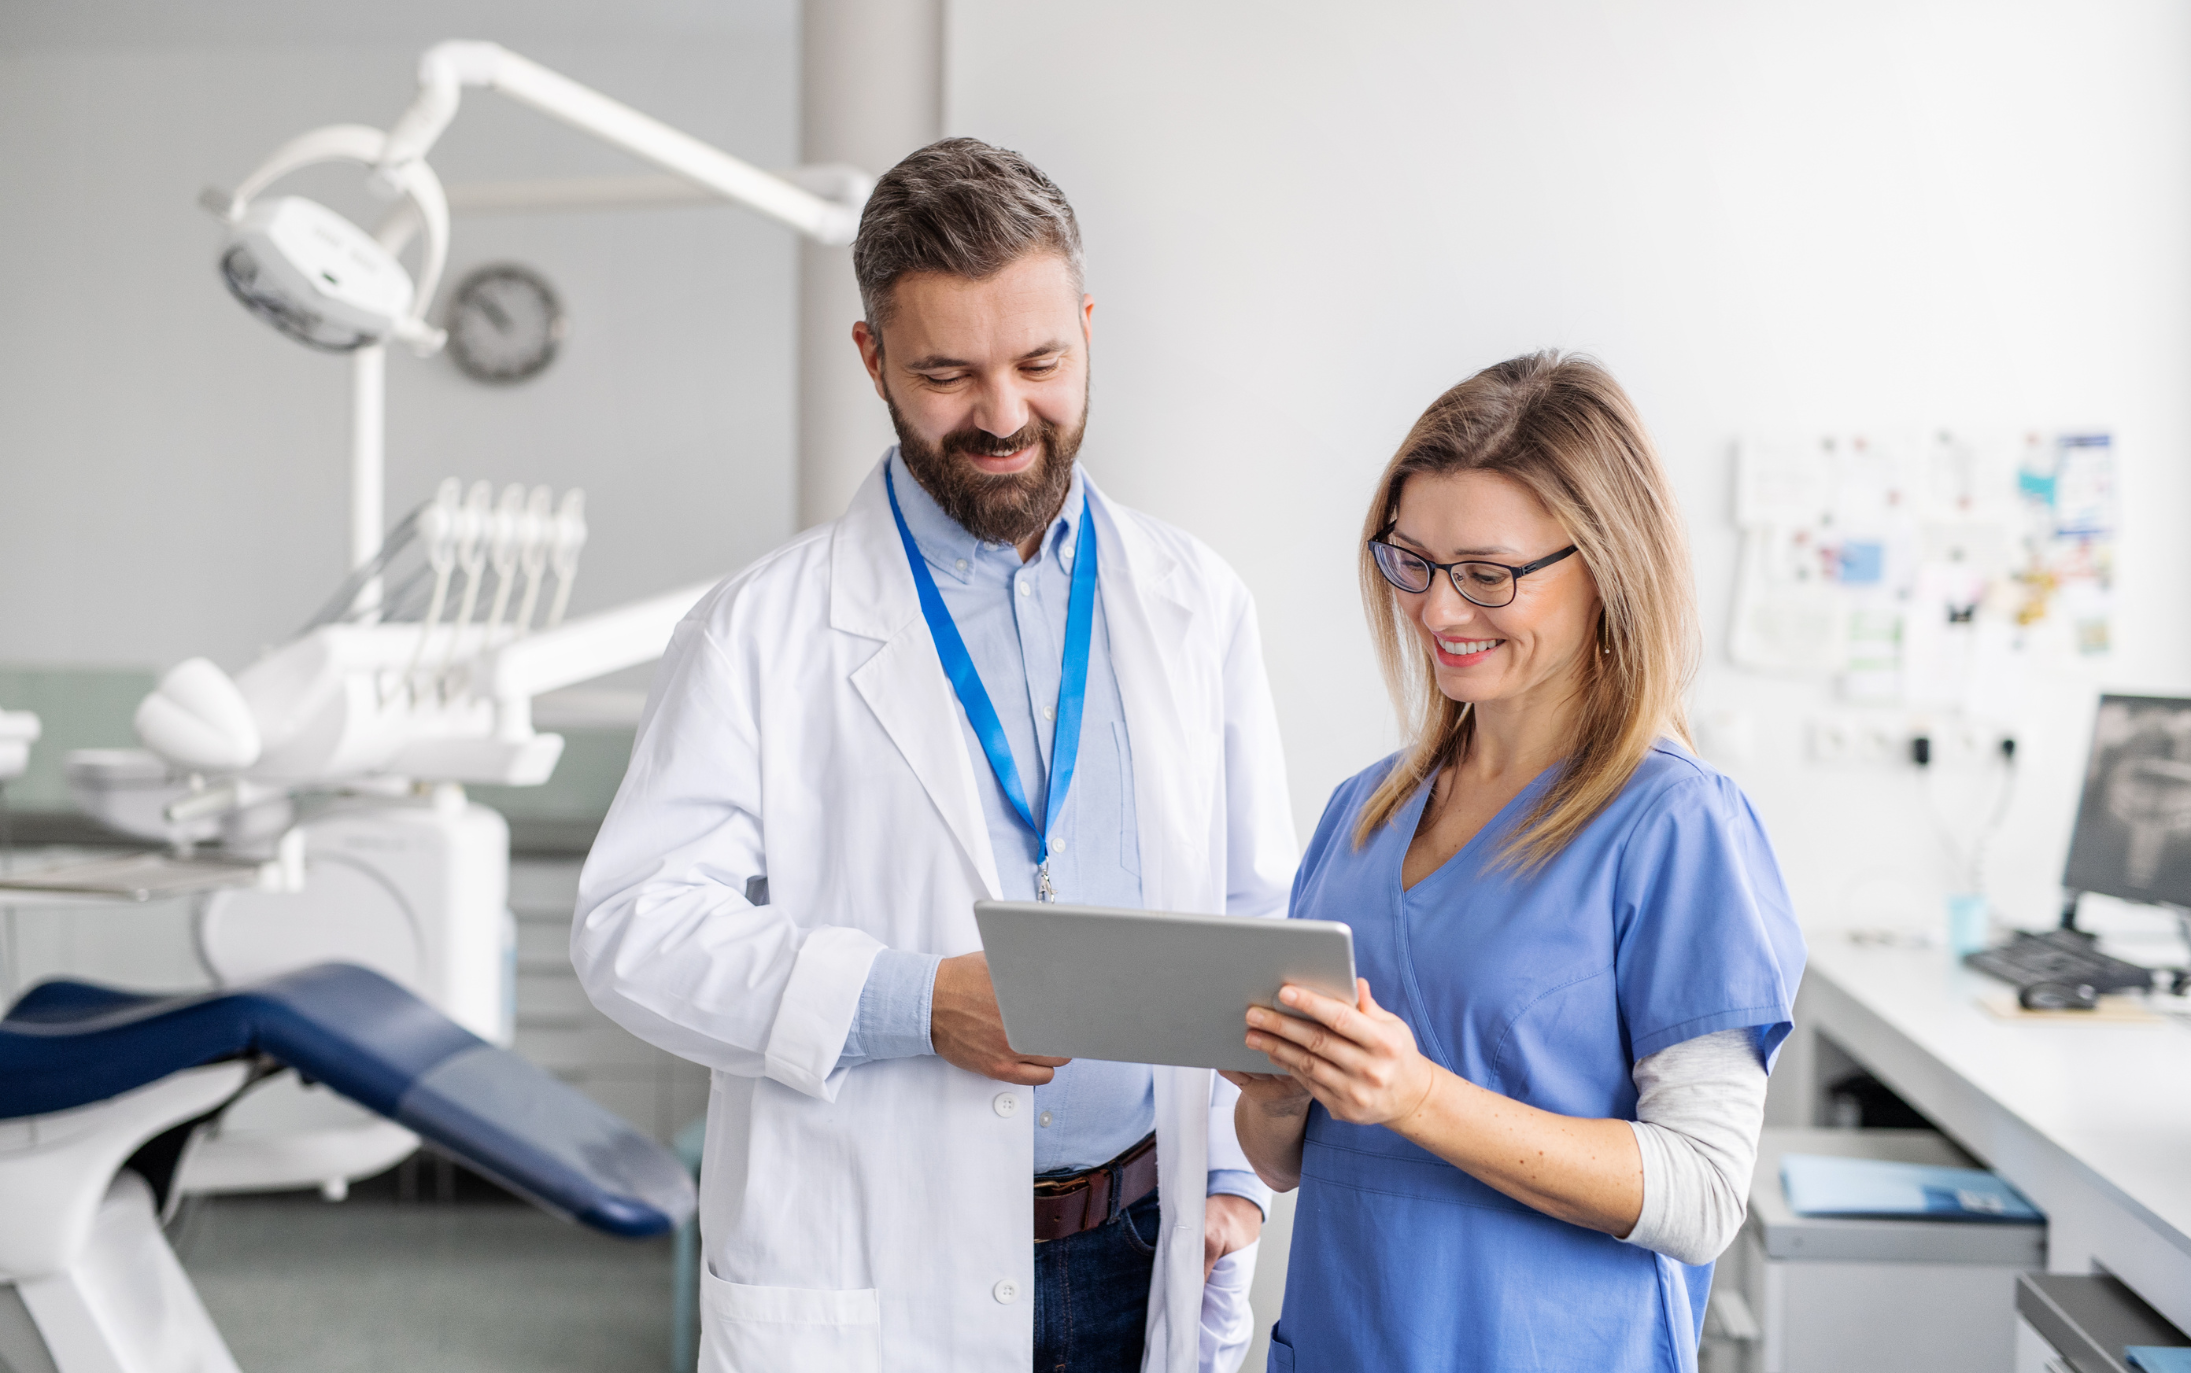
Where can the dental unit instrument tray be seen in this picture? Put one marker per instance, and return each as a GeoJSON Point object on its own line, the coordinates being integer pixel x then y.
{"type": "Point", "coordinates": [137, 877]}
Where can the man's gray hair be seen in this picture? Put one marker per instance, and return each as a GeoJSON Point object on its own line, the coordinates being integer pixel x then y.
{"type": "Point", "coordinates": [963, 208]}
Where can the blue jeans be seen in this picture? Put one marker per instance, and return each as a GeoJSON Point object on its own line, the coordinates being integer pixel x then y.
{"type": "Point", "coordinates": [1092, 1294]}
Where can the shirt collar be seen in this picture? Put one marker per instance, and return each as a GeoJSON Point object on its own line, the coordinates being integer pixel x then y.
{"type": "Point", "coordinates": [950, 549]}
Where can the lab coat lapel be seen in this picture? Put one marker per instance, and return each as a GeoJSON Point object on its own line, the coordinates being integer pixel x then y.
{"type": "Point", "coordinates": [1149, 618]}
{"type": "Point", "coordinates": [871, 594]}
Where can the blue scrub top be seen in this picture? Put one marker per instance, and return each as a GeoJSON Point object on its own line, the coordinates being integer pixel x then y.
{"type": "Point", "coordinates": [1664, 919]}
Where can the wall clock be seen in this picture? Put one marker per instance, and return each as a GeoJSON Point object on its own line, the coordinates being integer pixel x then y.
{"type": "Point", "coordinates": [505, 324]}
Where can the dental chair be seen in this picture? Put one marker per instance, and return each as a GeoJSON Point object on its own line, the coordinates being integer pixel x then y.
{"type": "Point", "coordinates": [102, 1092]}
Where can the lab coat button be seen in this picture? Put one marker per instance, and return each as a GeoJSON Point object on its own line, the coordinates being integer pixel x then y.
{"type": "Point", "coordinates": [1006, 1105]}
{"type": "Point", "coordinates": [1006, 1291]}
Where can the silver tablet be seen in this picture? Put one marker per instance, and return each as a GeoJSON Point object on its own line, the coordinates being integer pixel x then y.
{"type": "Point", "coordinates": [1147, 987]}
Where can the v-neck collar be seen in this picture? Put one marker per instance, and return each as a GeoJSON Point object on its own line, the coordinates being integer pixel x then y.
{"type": "Point", "coordinates": [1411, 819]}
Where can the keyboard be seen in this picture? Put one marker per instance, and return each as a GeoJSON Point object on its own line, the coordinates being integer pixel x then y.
{"type": "Point", "coordinates": [2065, 957]}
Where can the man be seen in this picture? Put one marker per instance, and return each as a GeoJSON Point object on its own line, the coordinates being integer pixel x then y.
{"type": "Point", "coordinates": [856, 738]}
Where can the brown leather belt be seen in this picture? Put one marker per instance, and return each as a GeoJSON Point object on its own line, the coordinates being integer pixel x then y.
{"type": "Point", "coordinates": [1067, 1206]}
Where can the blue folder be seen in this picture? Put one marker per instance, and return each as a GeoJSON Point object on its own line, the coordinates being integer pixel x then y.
{"type": "Point", "coordinates": [1880, 1189]}
{"type": "Point", "coordinates": [2154, 1358]}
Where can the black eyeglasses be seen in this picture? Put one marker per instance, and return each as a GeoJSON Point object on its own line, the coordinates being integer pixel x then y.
{"type": "Point", "coordinates": [1490, 585]}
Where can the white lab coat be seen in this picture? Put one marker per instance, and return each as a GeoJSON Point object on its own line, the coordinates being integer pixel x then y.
{"type": "Point", "coordinates": [801, 727]}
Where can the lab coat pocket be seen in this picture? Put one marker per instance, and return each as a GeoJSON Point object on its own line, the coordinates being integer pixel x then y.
{"type": "Point", "coordinates": [1281, 1351]}
{"type": "Point", "coordinates": [768, 1329]}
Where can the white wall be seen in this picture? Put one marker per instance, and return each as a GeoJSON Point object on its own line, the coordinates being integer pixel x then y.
{"type": "Point", "coordinates": [1305, 220]}
{"type": "Point", "coordinates": [172, 473]}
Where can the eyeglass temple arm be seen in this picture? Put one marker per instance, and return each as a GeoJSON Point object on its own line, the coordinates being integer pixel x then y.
{"type": "Point", "coordinates": [1546, 561]}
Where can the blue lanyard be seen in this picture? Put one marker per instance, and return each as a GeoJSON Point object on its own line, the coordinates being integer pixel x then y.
{"type": "Point", "coordinates": [1072, 690]}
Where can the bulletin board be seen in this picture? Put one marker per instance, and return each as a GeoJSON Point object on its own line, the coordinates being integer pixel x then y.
{"type": "Point", "coordinates": [1923, 569]}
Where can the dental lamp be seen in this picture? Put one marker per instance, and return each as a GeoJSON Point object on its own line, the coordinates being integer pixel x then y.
{"type": "Point", "coordinates": [327, 283]}
{"type": "Point", "coordinates": [316, 276]}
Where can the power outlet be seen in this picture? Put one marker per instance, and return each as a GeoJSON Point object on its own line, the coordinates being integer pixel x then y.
{"type": "Point", "coordinates": [1830, 739]}
{"type": "Point", "coordinates": [1963, 744]}
{"type": "Point", "coordinates": [1855, 739]}
{"type": "Point", "coordinates": [1850, 739]}
{"type": "Point", "coordinates": [1880, 741]}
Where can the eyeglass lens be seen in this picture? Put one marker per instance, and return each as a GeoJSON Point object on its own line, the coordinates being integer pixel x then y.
{"type": "Point", "coordinates": [1487, 584]}
{"type": "Point", "coordinates": [1403, 570]}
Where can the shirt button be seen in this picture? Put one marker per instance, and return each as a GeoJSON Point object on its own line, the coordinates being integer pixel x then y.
{"type": "Point", "coordinates": [960, 564]}
{"type": "Point", "coordinates": [1006, 1291]}
{"type": "Point", "coordinates": [1057, 846]}
{"type": "Point", "coordinates": [1049, 712]}
{"type": "Point", "coordinates": [1006, 1104]}
{"type": "Point", "coordinates": [1025, 589]}
{"type": "Point", "coordinates": [1044, 1120]}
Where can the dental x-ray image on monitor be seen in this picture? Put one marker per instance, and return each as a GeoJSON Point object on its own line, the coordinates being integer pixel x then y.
{"type": "Point", "coordinates": [2133, 835]}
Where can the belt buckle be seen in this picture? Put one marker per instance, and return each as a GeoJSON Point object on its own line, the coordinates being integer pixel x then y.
{"type": "Point", "coordinates": [1077, 1194]}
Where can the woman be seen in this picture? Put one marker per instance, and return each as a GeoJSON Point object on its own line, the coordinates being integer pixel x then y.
{"type": "Point", "coordinates": [1527, 1143]}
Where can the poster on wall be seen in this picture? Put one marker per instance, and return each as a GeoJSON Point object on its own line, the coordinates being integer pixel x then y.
{"type": "Point", "coordinates": [1912, 568]}
{"type": "Point", "coordinates": [2068, 535]}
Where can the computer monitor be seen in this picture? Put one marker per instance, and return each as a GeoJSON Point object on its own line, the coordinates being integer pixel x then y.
{"type": "Point", "coordinates": [2133, 834]}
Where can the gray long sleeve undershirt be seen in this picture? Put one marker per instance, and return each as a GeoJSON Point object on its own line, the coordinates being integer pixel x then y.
{"type": "Point", "coordinates": [1700, 1105]}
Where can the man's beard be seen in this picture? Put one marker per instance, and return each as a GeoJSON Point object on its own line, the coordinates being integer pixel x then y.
{"type": "Point", "coordinates": [994, 509]}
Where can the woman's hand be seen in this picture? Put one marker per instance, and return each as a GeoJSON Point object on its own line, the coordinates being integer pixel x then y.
{"type": "Point", "coordinates": [1360, 1062]}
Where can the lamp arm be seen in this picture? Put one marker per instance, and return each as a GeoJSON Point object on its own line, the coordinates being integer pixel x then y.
{"type": "Point", "coordinates": [448, 67]}
{"type": "Point", "coordinates": [581, 649]}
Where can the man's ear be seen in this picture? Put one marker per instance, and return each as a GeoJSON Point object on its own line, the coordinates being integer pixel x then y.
{"type": "Point", "coordinates": [869, 342]}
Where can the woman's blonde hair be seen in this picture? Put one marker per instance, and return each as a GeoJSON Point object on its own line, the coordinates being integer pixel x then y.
{"type": "Point", "coordinates": [1562, 428]}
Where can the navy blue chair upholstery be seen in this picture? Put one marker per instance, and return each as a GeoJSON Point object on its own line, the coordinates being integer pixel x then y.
{"type": "Point", "coordinates": [69, 1044]}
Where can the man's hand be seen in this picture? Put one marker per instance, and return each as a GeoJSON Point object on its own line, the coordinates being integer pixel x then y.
{"type": "Point", "coordinates": [1277, 1095]}
{"type": "Point", "coordinates": [965, 1028]}
{"type": "Point", "coordinates": [1230, 1224]}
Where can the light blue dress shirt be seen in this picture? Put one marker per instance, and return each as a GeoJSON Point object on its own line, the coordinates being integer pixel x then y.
{"type": "Point", "coordinates": [1012, 617]}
